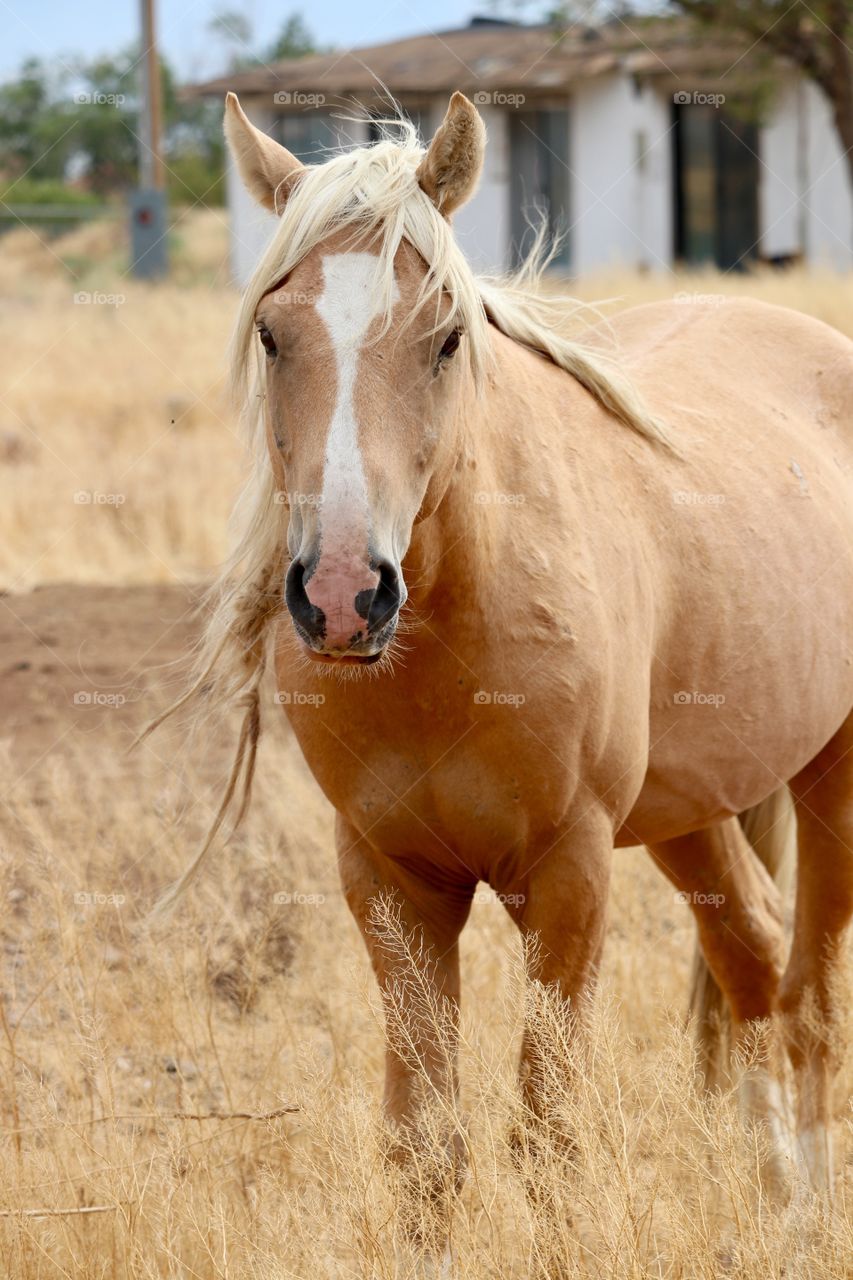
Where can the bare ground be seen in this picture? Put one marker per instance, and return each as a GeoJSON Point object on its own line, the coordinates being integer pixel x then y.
{"type": "Point", "coordinates": [80, 664]}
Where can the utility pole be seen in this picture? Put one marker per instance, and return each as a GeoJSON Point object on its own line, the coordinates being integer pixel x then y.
{"type": "Point", "coordinates": [148, 213]}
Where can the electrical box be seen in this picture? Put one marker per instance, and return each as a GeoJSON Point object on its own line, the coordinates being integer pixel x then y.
{"type": "Point", "coordinates": [148, 234]}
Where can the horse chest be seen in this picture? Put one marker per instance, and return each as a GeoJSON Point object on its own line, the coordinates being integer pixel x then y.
{"type": "Point", "coordinates": [461, 792]}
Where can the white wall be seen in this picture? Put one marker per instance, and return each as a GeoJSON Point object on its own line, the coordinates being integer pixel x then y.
{"type": "Point", "coordinates": [805, 200]}
{"type": "Point", "coordinates": [780, 213]}
{"type": "Point", "coordinates": [483, 226]}
{"type": "Point", "coordinates": [621, 206]}
{"type": "Point", "coordinates": [827, 198]}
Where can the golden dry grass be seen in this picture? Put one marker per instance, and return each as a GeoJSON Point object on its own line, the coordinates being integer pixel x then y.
{"type": "Point", "coordinates": [118, 456]}
{"type": "Point", "coordinates": [258, 995]}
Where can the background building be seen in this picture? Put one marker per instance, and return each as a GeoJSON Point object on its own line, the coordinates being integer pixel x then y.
{"type": "Point", "coordinates": [644, 146]}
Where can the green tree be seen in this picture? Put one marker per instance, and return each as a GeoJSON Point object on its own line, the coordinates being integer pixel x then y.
{"type": "Point", "coordinates": [34, 122]}
{"type": "Point", "coordinates": [106, 109]}
{"type": "Point", "coordinates": [293, 41]}
{"type": "Point", "coordinates": [82, 119]}
{"type": "Point", "coordinates": [233, 30]}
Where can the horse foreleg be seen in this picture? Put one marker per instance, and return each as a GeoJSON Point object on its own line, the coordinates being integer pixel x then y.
{"type": "Point", "coordinates": [411, 927]}
{"type": "Point", "coordinates": [561, 911]}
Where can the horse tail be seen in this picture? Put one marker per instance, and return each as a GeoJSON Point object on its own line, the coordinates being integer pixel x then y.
{"type": "Point", "coordinates": [770, 828]}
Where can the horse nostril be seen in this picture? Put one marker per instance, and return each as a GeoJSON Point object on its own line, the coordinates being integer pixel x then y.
{"type": "Point", "coordinates": [385, 599]}
{"type": "Point", "coordinates": [308, 618]}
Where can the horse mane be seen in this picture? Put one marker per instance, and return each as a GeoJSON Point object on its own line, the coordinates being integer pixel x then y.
{"type": "Point", "coordinates": [371, 190]}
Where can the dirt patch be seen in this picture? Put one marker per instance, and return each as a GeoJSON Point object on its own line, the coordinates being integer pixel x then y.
{"type": "Point", "coordinates": [80, 664]}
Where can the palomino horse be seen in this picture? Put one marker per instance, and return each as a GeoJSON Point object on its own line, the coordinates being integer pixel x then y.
{"type": "Point", "coordinates": [627, 586]}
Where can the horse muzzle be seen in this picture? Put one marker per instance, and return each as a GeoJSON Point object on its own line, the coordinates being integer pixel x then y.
{"type": "Point", "coordinates": [342, 609]}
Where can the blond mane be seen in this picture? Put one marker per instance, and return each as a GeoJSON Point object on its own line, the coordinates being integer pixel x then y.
{"type": "Point", "coordinates": [370, 190]}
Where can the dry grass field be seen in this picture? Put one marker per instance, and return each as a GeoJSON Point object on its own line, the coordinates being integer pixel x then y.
{"type": "Point", "coordinates": [201, 1099]}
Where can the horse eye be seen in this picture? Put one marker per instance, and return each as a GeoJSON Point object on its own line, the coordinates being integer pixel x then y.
{"type": "Point", "coordinates": [267, 341]}
{"type": "Point", "coordinates": [451, 345]}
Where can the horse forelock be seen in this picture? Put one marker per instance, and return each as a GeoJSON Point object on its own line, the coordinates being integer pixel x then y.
{"type": "Point", "coordinates": [373, 193]}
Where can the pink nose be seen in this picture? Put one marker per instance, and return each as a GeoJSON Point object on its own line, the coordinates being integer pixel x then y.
{"type": "Point", "coordinates": [342, 586]}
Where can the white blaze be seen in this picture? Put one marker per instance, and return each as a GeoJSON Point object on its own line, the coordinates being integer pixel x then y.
{"type": "Point", "coordinates": [351, 300]}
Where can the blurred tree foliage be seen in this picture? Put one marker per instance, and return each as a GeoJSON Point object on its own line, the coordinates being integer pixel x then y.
{"type": "Point", "coordinates": [293, 41]}
{"type": "Point", "coordinates": [78, 123]}
{"type": "Point", "coordinates": [233, 31]}
{"type": "Point", "coordinates": [72, 126]}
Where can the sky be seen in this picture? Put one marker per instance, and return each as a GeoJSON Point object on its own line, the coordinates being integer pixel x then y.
{"type": "Point", "coordinates": [58, 28]}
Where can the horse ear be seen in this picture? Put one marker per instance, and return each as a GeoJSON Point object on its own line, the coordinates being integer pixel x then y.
{"type": "Point", "coordinates": [450, 170]}
{"type": "Point", "coordinates": [267, 168]}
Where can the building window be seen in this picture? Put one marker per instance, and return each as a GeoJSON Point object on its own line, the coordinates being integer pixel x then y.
{"type": "Point", "coordinates": [309, 135]}
{"type": "Point", "coordinates": [716, 189]}
{"type": "Point", "coordinates": [414, 115]}
{"type": "Point", "coordinates": [539, 182]}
